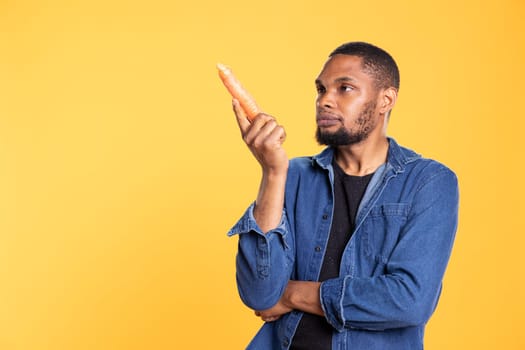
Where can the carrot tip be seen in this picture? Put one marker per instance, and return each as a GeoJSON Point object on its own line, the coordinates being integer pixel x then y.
{"type": "Point", "coordinates": [222, 67]}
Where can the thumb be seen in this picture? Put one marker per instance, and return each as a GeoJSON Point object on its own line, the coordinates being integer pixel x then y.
{"type": "Point", "coordinates": [241, 116]}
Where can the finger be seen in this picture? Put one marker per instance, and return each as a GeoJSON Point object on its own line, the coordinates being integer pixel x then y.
{"type": "Point", "coordinates": [270, 318]}
{"type": "Point", "coordinates": [261, 131]}
{"type": "Point", "coordinates": [278, 134]}
{"type": "Point", "coordinates": [240, 114]}
{"type": "Point", "coordinates": [258, 128]}
{"type": "Point", "coordinates": [271, 135]}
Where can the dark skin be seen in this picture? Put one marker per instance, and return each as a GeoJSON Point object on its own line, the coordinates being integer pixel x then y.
{"type": "Point", "coordinates": [348, 100]}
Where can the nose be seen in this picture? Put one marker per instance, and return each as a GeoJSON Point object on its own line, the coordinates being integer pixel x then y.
{"type": "Point", "coordinates": [325, 100]}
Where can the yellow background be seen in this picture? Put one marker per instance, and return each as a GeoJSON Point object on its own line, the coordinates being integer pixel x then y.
{"type": "Point", "coordinates": [121, 167]}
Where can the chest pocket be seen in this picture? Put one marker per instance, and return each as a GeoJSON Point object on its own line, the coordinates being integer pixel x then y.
{"type": "Point", "coordinates": [382, 228]}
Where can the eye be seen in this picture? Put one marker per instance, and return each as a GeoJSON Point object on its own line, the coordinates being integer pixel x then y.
{"type": "Point", "coordinates": [346, 88]}
{"type": "Point", "coordinates": [320, 89]}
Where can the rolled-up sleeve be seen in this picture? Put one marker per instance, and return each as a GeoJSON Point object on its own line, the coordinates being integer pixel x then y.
{"type": "Point", "coordinates": [264, 261]}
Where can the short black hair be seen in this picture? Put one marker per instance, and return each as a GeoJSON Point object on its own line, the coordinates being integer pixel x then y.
{"type": "Point", "coordinates": [376, 62]}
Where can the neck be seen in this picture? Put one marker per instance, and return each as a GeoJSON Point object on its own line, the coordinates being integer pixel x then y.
{"type": "Point", "coordinates": [362, 158]}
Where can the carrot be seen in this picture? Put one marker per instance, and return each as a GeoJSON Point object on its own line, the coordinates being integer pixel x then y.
{"type": "Point", "coordinates": [238, 92]}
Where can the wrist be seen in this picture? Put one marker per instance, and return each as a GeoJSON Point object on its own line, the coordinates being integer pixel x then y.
{"type": "Point", "coordinates": [272, 173]}
{"type": "Point", "coordinates": [277, 177]}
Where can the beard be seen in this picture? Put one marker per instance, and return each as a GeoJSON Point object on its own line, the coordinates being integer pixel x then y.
{"type": "Point", "coordinates": [345, 137]}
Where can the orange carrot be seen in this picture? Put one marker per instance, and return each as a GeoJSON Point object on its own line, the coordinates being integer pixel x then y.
{"type": "Point", "coordinates": [238, 92]}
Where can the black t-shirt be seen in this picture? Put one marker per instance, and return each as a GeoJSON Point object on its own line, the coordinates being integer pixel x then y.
{"type": "Point", "coordinates": [314, 332]}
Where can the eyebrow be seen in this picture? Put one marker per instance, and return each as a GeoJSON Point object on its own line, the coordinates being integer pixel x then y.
{"type": "Point", "coordinates": [338, 80]}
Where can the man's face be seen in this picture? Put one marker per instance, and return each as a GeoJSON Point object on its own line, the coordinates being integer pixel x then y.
{"type": "Point", "coordinates": [346, 102]}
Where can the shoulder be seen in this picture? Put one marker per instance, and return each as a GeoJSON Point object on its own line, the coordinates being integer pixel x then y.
{"type": "Point", "coordinates": [415, 172]}
{"type": "Point", "coordinates": [406, 160]}
{"type": "Point", "coordinates": [425, 171]}
{"type": "Point", "coordinates": [435, 171]}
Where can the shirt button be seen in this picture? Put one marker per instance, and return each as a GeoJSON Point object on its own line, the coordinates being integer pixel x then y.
{"type": "Point", "coordinates": [325, 217]}
{"type": "Point", "coordinates": [317, 249]}
{"type": "Point", "coordinates": [286, 343]}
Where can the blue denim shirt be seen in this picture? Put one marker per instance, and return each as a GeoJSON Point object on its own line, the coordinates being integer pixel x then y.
{"type": "Point", "coordinates": [391, 270]}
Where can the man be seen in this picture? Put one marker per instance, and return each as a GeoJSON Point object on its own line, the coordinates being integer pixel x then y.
{"type": "Point", "coordinates": [346, 249]}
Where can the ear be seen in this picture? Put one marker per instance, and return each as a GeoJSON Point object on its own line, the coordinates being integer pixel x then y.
{"type": "Point", "coordinates": [387, 100]}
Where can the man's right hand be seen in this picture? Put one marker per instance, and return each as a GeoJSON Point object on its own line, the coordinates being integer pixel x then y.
{"type": "Point", "coordinates": [264, 137]}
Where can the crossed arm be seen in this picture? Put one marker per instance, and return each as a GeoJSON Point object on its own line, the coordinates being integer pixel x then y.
{"type": "Point", "coordinates": [298, 295]}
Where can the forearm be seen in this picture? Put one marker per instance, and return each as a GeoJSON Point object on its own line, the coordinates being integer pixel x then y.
{"type": "Point", "coordinates": [304, 296]}
{"type": "Point", "coordinates": [265, 256]}
{"type": "Point", "coordinates": [298, 295]}
{"type": "Point", "coordinates": [270, 200]}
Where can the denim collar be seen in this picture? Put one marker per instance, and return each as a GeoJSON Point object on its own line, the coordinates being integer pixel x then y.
{"type": "Point", "coordinates": [398, 157]}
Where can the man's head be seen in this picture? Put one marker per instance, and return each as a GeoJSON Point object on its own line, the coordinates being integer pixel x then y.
{"type": "Point", "coordinates": [376, 62]}
{"type": "Point", "coordinates": [356, 89]}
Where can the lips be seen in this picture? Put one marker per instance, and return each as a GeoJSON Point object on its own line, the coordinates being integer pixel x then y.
{"type": "Point", "coordinates": [325, 119]}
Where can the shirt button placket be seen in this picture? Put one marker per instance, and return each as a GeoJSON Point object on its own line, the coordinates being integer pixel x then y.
{"type": "Point", "coordinates": [318, 248]}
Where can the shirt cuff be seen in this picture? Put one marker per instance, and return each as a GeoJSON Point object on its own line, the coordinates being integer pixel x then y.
{"type": "Point", "coordinates": [248, 224]}
{"type": "Point", "coordinates": [331, 295]}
